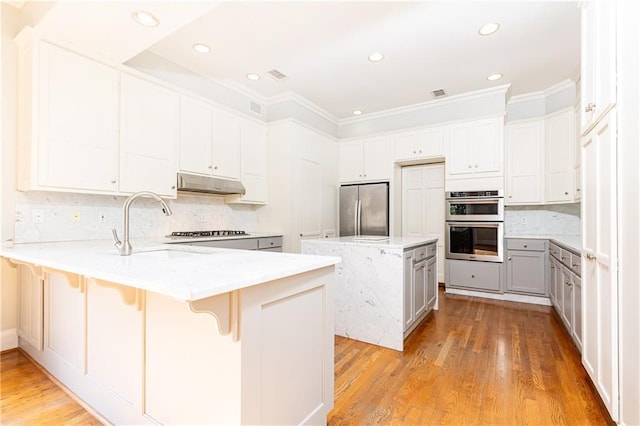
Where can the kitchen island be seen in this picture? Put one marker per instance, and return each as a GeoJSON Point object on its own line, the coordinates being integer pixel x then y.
{"type": "Point", "coordinates": [177, 334]}
{"type": "Point", "coordinates": [385, 287]}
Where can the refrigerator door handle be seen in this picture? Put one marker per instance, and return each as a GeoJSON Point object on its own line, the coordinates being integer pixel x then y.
{"type": "Point", "coordinates": [359, 213]}
{"type": "Point", "coordinates": [356, 216]}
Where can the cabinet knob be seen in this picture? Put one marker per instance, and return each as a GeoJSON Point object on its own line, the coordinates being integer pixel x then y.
{"type": "Point", "coordinates": [113, 181]}
{"type": "Point", "coordinates": [509, 258]}
{"type": "Point", "coordinates": [420, 151]}
{"type": "Point", "coordinates": [476, 166]}
{"type": "Point", "coordinates": [360, 175]}
{"type": "Point", "coordinates": [510, 196]}
{"type": "Point", "coordinates": [173, 187]}
{"type": "Point", "coordinates": [210, 166]}
{"type": "Point", "coordinates": [525, 246]}
{"type": "Point", "coordinates": [215, 168]}
{"type": "Point", "coordinates": [574, 264]}
{"type": "Point", "coordinates": [590, 107]}
{"type": "Point", "coordinates": [414, 151]}
{"type": "Point", "coordinates": [365, 175]}
{"type": "Point", "coordinates": [566, 193]}
{"type": "Point", "coordinates": [553, 267]}
{"type": "Point", "coordinates": [470, 166]}
{"type": "Point", "coordinates": [577, 189]}
{"type": "Point", "coordinates": [473, 276]}
{"type": "Point", "coordinates": [590, 256]}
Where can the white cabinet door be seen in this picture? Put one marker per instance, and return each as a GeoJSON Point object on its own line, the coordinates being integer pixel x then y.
{"type": "Point", "coordinates": [309, 199]}
{"type": "Point", "coordinates": [475, 149]}
{"type": "Point", "coordinates": [488, 147]}
{"type": "Point", "coordinates": [560, 149]}
{"type": "Point", "coordinates": [226, 145]}
{"type": "Point", "coordinates": [598, 73]}
{"type": "Point", "coordinates": [150, 117]}
{"type": "Point", "coordinates": [523, 146]}
{"type": "Point", "coordinates": [599, 269]}
{"type": "Point", "coordinates": [196, 136]}
{"type": "Point", "coordinates": [254, 153]}
{"type": "Point", "coordinates": [423, 206]}
{"type": "Point", "coordinates": [350, 161]}
{"type": "Point", "coordinates": [427, 143]}
{"type": "Point", "coordinates": [78, 122]}
{"type": "Point", "coordinates": [407, 293]}
{"type": "Point", "coordinates": [460, 160]}
{"type": "Point", "coordinates": [30, 305]}
{"type": "Point", "coordinates": [376, 159]}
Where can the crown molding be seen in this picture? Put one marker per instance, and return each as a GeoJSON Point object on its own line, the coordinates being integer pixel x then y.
{"type": "Point", "coordinates": [542, 94]}
{"type": "Point", "coordinates": [243, 90]}
{"type": "Point", "coordinates": [294, 97]}
{"type": "Point", "coordinates": [559, 87]}
{"type": "Point", "coordinates": [463, 97]}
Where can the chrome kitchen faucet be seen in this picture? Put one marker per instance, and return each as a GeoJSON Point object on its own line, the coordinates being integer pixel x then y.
{"type": "Point", "coordinates": [124, 247]}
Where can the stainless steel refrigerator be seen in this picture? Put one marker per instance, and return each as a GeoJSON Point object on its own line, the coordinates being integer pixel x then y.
{"type": "Point", "coordinates": [364, 209]}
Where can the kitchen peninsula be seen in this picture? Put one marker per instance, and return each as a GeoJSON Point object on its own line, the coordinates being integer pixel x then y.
{"type": "Point", "coordinates": [385, 286]}
{"type": "Point", "coordinates": [178, 334]}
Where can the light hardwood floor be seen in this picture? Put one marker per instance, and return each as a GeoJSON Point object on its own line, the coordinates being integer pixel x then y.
{"type": "Point", "coordinates": [476, 361]}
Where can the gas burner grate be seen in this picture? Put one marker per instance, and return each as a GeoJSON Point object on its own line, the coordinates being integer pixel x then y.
{"type": "Point", "coordinates": [216, 233]}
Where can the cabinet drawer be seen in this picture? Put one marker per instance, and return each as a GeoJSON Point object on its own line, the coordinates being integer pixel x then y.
{"type": "Point", "coordinates": [242, 244]}
{"type": "Point", "coordinates": [265, 243]}
{"type": "Point", "coordinates": [575, 263]}
{"type": "Point", "coordinates": [432, 249]}
{"type": "Point", "coordinates": [555, 251]}
{"type": "Point", "coordinates": [419, 253]}
{"type": "Point", "coordinates": [565, 257]}
{"type": "Point", "coordinates": [524, 244]}
{"type": "Point", "coordinates": [475, 275]}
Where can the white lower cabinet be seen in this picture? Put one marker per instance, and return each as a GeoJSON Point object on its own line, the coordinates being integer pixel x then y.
{"type": "Point", "coordinates": [138, 357]}
{"type": "Point", "coordinates": [30, 299]}
{"type": "Point", "coordinates": [566, 289]}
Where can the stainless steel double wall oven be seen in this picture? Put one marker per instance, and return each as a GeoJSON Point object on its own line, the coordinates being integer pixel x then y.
{"type": "Point", "coordinates": [475, 225]}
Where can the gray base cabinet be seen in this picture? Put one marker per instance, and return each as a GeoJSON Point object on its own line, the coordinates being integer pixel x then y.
{"type": "Point", "coordinates": [566, 289]}
{"type": "Point", "coordinates": [474, 275]}
{"type": "Point", "coordinates": [526, 266]}
{"type": "Point", "coordinates": [420, 284]}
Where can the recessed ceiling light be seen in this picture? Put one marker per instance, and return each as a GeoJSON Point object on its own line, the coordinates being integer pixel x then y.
{"type": "Point", "coordinates": [145, 18]}
{"type": "Point", "coordinates": [252, 76]}
{"type": "Point", "coordinates": [376, 57]}
{"type": "Point", "coordinates": [357, 112]}
{"type": "Point", "coordinates": [201, 48]}
{"type": "Point", "coordinates": [494, 77]}
{"type": "Point", "coordinates": [489, 29]}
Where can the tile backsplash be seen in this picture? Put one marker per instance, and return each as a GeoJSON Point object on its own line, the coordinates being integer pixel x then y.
{"type": "Point", "coordinates": [69, 217]}
{"type": "Point", "coordinates": [556, 219]}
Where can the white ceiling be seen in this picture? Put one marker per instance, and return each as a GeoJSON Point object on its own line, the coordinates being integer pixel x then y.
{"type": "Point", "coordinates": [322, 46]}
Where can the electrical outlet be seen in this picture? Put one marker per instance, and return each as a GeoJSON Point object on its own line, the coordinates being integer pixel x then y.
{"type": "Point", "coordinates": [102, 217]}
{"type": "Point", "coordinates": [75, 217]}
{"type": "Point", "coordinates": [203, 217]}
{"type": "Point", "coordinates": [37, 216]}
{"type": "Point", "coordinates": [523, 220]}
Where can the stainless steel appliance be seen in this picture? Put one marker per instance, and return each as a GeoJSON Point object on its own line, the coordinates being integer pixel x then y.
{"type": "Point", "coordinates": [475, 205]}
{"type": "Point", "coordinates": [209, 185]}
{"type": "Point", "coordinates": [364, 209]}
{"type": "Point", "coordinates": [475, 225]}
{"type": "Point", "coordinates": [231, 239]}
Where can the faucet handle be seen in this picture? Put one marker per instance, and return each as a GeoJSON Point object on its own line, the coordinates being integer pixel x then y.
{"type": "Point", "coordinates": [118, 243]}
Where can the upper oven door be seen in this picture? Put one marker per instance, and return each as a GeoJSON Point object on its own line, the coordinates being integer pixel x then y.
{"type": "Point", "coordinates": [482, 209]}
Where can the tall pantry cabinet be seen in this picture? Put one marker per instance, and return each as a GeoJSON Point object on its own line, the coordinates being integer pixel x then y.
{"type": "Point", "coordinates": [611, 182]}
{"type": "Point", "coordinates": [303, 182]}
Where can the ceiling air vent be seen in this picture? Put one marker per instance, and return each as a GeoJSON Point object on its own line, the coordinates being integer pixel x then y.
{"type": "Point", "coordinates": [255, 107]}
{"type": "Point", "coordinates": [277, 75]}
{"type": "Point", "coordinates": [438, 93]}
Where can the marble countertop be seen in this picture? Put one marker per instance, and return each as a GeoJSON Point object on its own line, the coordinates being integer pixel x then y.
{"type": "Point", "coordinates": [571, 242]}
{"type": "Point", "coordinates": [183, 272]}
{"type": "Point", "coordinates": [387, 242]}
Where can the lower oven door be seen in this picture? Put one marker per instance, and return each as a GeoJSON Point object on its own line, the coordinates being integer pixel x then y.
{"type": "Point", "coordinates": [475, 241]}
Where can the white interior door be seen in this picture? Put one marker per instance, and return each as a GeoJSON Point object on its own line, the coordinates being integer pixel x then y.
{"type": "Point", "coordinates": [423, 205]}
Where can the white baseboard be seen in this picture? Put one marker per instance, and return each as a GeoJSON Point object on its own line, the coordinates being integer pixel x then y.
{"type": "Point", "coordinates": [9, 339]}
{"type": "Point", "coordinates": [535, 300]}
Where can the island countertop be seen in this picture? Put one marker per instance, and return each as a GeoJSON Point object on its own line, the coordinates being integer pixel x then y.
{"type": "Point", "coordinates": [383, 242]}
{"type": "Point", "coordinates": [182, 272]}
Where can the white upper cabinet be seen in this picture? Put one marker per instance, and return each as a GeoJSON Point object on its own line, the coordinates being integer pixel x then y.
{"type": "Point", "coordinates": [560, 149]}
{"type": "Point", "coordinates": [598, 73]}
{"type": "Point", "coordinates": [524, 143]}
{"type": "Point", "coordinates": [226, 145]}
{"type": "Point", "coordinates": [196, 136]}
{"type": "Point", "coordinates": [368, 160]}
{"type": "Point", "coordinates": [68, 114]}
{"type": "Point", "coordinates": [254, 162]}
{"type": "Point", "coordinates": [416, 145]}
{"type": "Point", "coordinates": [150, 117]}
{"type": "Point", "coordinates": [475, 149]}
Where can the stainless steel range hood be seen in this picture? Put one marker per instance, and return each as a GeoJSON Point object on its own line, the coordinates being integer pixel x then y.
{"type": "Point", "coordinates": [209, 185]}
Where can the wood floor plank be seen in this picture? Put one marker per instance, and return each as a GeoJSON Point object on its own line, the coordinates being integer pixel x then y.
{"type": "Point", "coordinates": [475, 361]}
